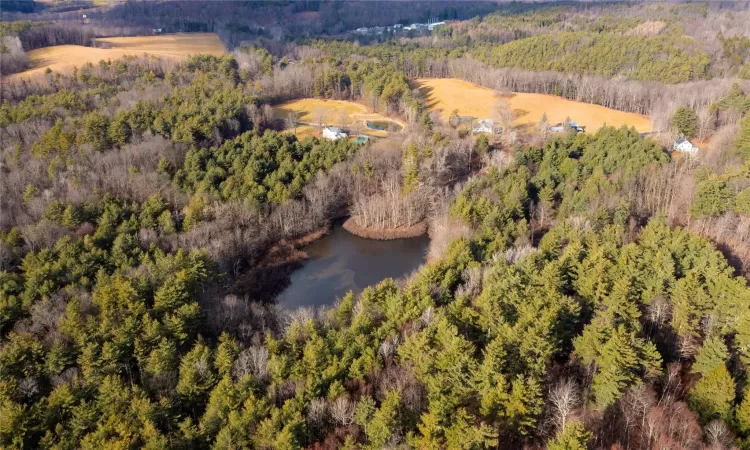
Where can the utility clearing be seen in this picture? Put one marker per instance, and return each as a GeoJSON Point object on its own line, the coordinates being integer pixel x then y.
{"type": "Point", "coordinates": [63, 58]}
{"type": "Point", "coordinates": [447, 95]}
{"type": "Point", "coordinates": [313, 114]}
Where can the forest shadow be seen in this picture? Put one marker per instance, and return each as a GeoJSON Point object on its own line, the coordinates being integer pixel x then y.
{"type": "Point", "coordinates": [36, 63]}
{"type": "Point", "coordinates": [426, 93]}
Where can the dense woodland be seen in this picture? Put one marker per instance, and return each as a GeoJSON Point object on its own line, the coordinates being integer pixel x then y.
{"type": "Point", "coordinates": [581, 290]}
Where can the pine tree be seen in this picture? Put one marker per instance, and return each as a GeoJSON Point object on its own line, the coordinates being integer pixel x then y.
{"type": "Point", "coordinates": [742, 202]}
{"type": "Point", "coordinates": [226, 353]}
{"type": "Point", "coordinates": [573, 437]}
{"type": "Point", "coordinates": [713, 395]}
{"type": "Point", "coordinates": [711, 355]}
{"type": "Point", "coordinates": [714, 198]}
{"type": "Point", "coordinates": [742, 144]}
{"type": "Point", "coordinates": [742, 413]}
{"type": "Point", "coordinates": [410, 164]}
{"type": "Point", "coordinates": [685, 122]}
{"type": "Point", "coordinates": [197, 377]}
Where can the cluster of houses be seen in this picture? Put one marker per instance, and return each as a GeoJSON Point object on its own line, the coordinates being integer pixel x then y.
{"type": "Point", "coordinates": [429, 26]}
{"type": "Point", "coordinates": [488, 126]}
{"type": "Point", "coordinates": [681, 145]}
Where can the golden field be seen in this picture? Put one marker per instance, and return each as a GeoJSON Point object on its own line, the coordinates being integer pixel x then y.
{"type": "Point", "coordinates": [62, 58]}
{"type": "Point", "coordinates": [312, 111]}
{"type": "Point", "coordinates": [447, 94]}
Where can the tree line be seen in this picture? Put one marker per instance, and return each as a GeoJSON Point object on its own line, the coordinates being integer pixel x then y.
{"type": "Point", "coordinates": [110, 340]}
{"type": "Point", "coordinates": [562, 311]}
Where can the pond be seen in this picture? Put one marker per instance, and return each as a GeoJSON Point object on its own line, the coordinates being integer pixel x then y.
{"type": "Point", "coordinates": [383, 125]}
{"type": "Point", "coordinates": [340, 262]}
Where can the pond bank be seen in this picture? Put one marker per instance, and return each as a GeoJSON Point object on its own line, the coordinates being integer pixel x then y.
{"type": "Point", "coordinates": [386, 234]}
{"type": "Point", "coordinates": [271, 275]}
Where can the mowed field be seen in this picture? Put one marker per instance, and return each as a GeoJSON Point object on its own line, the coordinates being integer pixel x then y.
{"type": "Point", "coordinates": [446, 95]}
{"type": "Point", "coordinates": [312, 111]}
{"type": "Point", "coordinates": [62, 58]}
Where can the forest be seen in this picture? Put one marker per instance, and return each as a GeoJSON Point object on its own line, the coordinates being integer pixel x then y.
{"type": "Point", "coordinates": [581, 290]}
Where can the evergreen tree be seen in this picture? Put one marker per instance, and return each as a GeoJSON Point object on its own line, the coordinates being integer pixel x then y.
{"type": "Point", "coordinates": [685, 122]}
{"type": "Point", "coordinates": [742, 144]}
{"type": "Point", "coordinates": [714, 198]}
{"type": "Point", "coordinates": [713, 395]}
{"type": "Point", "coordinates": [742, 414]}
{"type": "Point", "coordinates": [712, 354]}
{"type": "Point", "coordinates": [573, 437]}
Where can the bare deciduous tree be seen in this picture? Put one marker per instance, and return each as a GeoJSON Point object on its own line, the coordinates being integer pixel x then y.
{"type": "Point", "coordinates": [319, 117]}
{"type": "Point", "coordinates": [564, 399]}
{"type": "Point", "coordinates": [291, 120]}
{"type": "Point", "coordinates": [317, 413]}
{"type": "Point", "coordinates": [718, 435]}
{"type": "Point", "coordinates": [342, 411]}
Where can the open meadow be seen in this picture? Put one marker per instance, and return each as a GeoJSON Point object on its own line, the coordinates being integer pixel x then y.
{"type": "Point", "coordinates": [62, 58]}
{"type": "Point", "coordinates": [313, 112]}
{"type": "Point", "coordinates": [448, 94]}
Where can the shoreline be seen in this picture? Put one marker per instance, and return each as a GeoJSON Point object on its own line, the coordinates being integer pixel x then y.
{"type": "Point", "coordinates": [270, 276]}
{"type": "Point", "coordinates": [386, 234]}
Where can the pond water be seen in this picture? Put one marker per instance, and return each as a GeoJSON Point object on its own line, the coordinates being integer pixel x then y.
{"type": "Point", "coordinates": [340, 262]}
{"type": "Point", "coordinates": [383, 125]}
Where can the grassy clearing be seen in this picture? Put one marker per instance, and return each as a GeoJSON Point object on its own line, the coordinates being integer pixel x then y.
{"type": "Point", "coordinates": [446, 95]}
{"type": "Point", "coordinates": [313, 112]}
{"type": "Point", "coordinates": [62, 58]}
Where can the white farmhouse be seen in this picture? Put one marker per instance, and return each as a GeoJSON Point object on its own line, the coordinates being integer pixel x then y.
{"type": "Point", "coordinates": [333, 133]}
{"type": "Point", "coordinates": [557, 128]}
{"type": "Point", "coordinates": [682, 145]}
{"type": "Point", "coordinates": [486, 126]}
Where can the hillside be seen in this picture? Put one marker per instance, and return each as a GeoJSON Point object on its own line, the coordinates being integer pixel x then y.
{"type": "Point", "coordinates": [446, 95]}
{"type": "Point", "coordinates": [62, 58]}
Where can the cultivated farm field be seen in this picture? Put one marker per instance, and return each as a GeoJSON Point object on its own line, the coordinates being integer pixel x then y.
{"type": "Point", "coordinates": [311, 112]}
{"type": "Point", "coordinates": [62, 58]}
{"type": "Point", "coordinates": [448, 94]}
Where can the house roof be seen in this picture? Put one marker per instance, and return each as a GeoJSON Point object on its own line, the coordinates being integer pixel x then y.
{"type": "Point", "coordinates": [681, 141]}
{"type": "Point", "coordinates": [334, 129]}
{"type": "Point", "coordinates": [485, 123]}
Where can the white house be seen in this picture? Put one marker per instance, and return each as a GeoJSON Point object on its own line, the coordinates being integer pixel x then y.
{"type": "Point", "coordinates": [486, 126]}
{"type": "Point", "coordinates": [557, 128]}
{"type": "Point", "coordinates": [333, 133]}
{"type": "Point", "coordinates": [682, 145]}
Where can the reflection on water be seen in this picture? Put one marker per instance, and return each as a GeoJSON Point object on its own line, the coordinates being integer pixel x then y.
{"type": "Point", "coordinates": [340, 262]}
{"type": "Point", "coordinates": [383, 125]}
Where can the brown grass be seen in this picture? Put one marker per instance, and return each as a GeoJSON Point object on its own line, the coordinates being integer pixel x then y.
{"type": "Point", "coordinates": [334, 112]}
{"type": "Point", "coordinates": [447, 94]}
{"type": "Point", "coordinates": [62, 58]}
